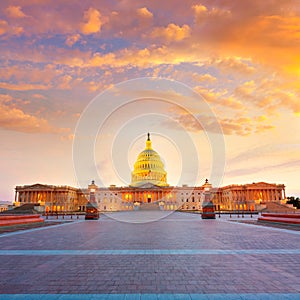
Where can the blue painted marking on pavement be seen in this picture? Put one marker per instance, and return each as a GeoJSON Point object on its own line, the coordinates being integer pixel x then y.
{"type": "Point", "coordinates": [148, 252]}
{"type": "Point", "coordinates": [252, 296]}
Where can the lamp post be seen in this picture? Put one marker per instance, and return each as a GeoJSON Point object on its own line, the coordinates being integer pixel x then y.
{"type": "Point", "coordinates": [208, 211]}
{"type": "Point", "coordinates": [92, 211]}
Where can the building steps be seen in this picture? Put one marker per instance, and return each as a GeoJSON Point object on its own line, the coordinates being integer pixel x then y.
{"type": "Point", "coordinates": [273, 207]}
{"type": "Point", "coordinates": [9, 220]}
{"type": "Point", "coordinates": [149, 206]}
{"type": "Point", "coordinates": [280, 218]}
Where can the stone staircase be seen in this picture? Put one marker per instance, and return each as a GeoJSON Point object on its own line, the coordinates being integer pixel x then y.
{"type": "Point", "coordinates": [290, 218]}
{"type": "Point", "coordinates": [149, 206]}
{"type": "Point", "coordinates": [274, 207]}
{"type": "Point", "coordinates": [28, 208]}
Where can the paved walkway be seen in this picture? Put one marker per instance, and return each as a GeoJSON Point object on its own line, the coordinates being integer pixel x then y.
{"type": "Point", "coordinates": [179, 256]}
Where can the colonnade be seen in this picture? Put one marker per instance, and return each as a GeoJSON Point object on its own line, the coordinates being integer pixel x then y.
{"type": "Point", "coordinates": [33, 196]}
{"type": "Point", "coordinates": [53, 200]}
{"type": "Point", "coordinates": [264, 195]}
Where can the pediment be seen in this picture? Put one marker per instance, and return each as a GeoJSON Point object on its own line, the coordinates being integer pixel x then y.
{"type": "Point", "coordinates": [148, 185]}
{"type": "Point", "coordinates": [38, 186]}
{"type": "Point", "coordinates": [262, 184]}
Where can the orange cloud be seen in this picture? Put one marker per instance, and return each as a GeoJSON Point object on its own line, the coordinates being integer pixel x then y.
{"type": "Point", "coordinates": [234, 64]}
{"type": "Point", "coordinates": [172, 32]}
{"type": "Point", "coordinates": [201, 13]}
{"type": "Point", "coordinates": [144, 13]}
{"type": "Point", "coordinates": [269, 95]}
{"type": "Point", "coordinates": [23, 86]}
{"type": "Point", "coordinates": [204, 77]}
{"type": "Point", "coordinates": [65, 82]}
{"type": "Point", "coordinates": [3, 27]}
{"type": "Point", "coordinates": [13, 118]}
{"type": "Point", "coordinates": [72, 39]}
{"type": "Point", "coordinates": [14, 12]}
{"type": "Point", "coordinates": [34, 77]}
{"type": "Point", "coordinates": [13, 30]}
{"type": "Point", "coordinates": [230, 126]}
{"type": "Point", "coordinates": [92, 21]}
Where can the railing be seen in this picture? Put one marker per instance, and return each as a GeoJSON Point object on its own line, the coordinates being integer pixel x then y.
{"type": "Point", "coordinates": [63, 215]}
{"type": "Point", "coordinates": [238, 213]}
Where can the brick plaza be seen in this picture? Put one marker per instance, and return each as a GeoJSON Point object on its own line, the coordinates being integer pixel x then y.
{"type": "Point", "coordinates": [178, 256]}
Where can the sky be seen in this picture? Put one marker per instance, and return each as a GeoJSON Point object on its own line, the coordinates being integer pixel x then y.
{"type": "Point", "coordinates": [226, 91]}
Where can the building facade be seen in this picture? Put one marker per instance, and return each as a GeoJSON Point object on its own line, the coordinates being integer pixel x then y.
{"type": "Point", "coordinates": [149, 188]}
{"type": "Point", "coordinates": [53, 198]}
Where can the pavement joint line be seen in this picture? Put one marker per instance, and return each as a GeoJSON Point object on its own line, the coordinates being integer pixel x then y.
{"type": "Point", "coordinates": [141, 296]}
{"type": "Point", "coordinates": [37, 229]}
{"type": "Point", "coordinates": [149, 252]}
{"type": "Point", "coordinates": [262, 227]}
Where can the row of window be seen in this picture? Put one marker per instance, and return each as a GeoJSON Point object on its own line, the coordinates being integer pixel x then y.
{"type": "Point", "coordinates": [192, 200]}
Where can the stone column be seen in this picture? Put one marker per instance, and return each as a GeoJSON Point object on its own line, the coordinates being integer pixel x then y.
{"type": "Point", "coordinates": [271, 193]}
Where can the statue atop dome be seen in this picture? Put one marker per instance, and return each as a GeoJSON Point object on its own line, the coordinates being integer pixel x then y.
{"type": "Point", "coordinates": [148, 143]}
{"type": "Point", "coordinates": [148, 168]}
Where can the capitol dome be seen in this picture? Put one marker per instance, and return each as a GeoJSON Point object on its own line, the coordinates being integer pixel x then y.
{"type": "Point", "coordinates": [148, 168]}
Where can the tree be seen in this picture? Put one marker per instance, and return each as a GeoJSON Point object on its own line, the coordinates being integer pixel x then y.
{"type": "Point", "coordinates": [294, 201]}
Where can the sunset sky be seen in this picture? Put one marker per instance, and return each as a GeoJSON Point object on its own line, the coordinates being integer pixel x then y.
{"type": "Point", "coordinates": [242, 57]}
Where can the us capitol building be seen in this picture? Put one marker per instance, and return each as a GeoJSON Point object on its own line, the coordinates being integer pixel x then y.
{"type": "Point", "coordinates": [149, 189]}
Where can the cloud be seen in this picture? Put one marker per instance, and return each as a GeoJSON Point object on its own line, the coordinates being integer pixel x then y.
{"type": "Point", "coordinates": [23, 86]}
{"type": "Point", "coordinates": [219, 97]}
{"type": "Point", "coordinates": [34, 73]}
{"type": "Point", "coordinates": [140, 58]}
{"type": "Point", "coordinates": [269, 95]}
{"type": "Point", "coordinates": [241, 126]}
{"type": "Point", "coordinates": [204, 78]}
{"type": "Point", "coordinates": [200, 10]}
{"type": "Point", "coordinates": [65, 82]}
{"type": "Point", "coordinates": [235, 65]}
{"type": "Point", "coordinates": [72, 39]}
{"type": "Point", "coordinates": [12, 30]}
{"type": "Point", "coordinates": [201, 13]}
{"type": "Point", "coordinates": [144, 13]}
{"type": "Point", "coordinates": [67, 137]}
{"type": "Point", "coordinates": [171, 33]}
{"type": "Point", "coordinates": [38, 96]}
{"type": "Point", "coordinates": [15, 12]}
{"type": "Point", "coordinates": [15, 119]}
{"type": "Point", "coordinates": [3, 27]}
{"type": "Point", "coordinates": [92, 21]}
